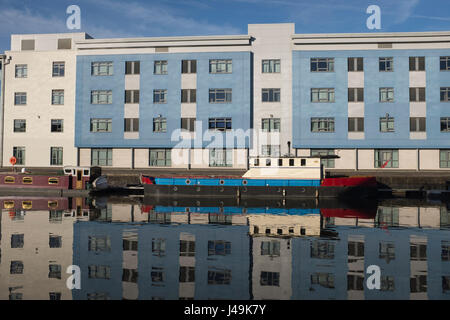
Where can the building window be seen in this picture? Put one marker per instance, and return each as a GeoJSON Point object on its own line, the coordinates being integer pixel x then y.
{"type": "Point", "coordinates": [445, 250]}
{"type": "Point", "coordinates": [355, 94]}
{"type": "Point", "coordinates": [159, 124]}
{"type": "Point", "coordinates": [416, 63]}
{"type": "Point", "coordinates": [417, 124]}
{"type": "Point", "coordinates": [416, 94]}
{"type": "Point", "coordinates": [158, 276]}
{"type": "Point", "coordinates": [219, 248]}
{"type": "Point", "coordinates": [64, 44]}
{"type": "Point", "coordinates": [220, 95]}
{"type": "Point", "coordinates": [58, 69]}
{"type": "Point", "coordinates": [387, 217]}
{"type": "Point", "coordinates": [160, 67]}
{"type": "Point", "coordinates": [187, 248]}
{"type": "Point", "coordinates": [20, 98]}
{"type": "Point", "coordinates": [355, 249]}
{"type": "Point", "coordinates": [386, 158]}
{"type": "Point", "coordinates": [160, 158]}
{"type": "Point", "coordinates": [327, 163]}
{"type": "Point", "coordinates": [386, 94]}
{"type": "Point", "coordinates": [99, 272]}
{"type": "Point", "coordinates": [445, 124]}
{"type": "Point", "coordinates": [27, 45]}
{"type": "Point", "coordinates": [56, 156]}
{"type": "Point", "coordinates": [269, 150]}
{"type": "Point", "coordinates": [387, 124]}
{"type": "Point", "coordinates": [160, 96]}
{"type": "Point", "coordinates": [57, 97]}
{"type": "Point", "coordinates": [219, 276]}
{"type": "Point", "coordinates": [418, 252]}
{"type": "Point", "coordinates": [98, 296]}
{"type": "Point", "coordinates": [418, 283]}
{"type": "Point", "coordinates": [99, 243]}
{"type": "Point", "coordinates": [20, 125]}
{"type": "Point", "coordinates": [270, 248]}
{"type": "Point", "coordinates": [270, 125]}
{"type": "Point", "coordinates": [188, 95]}
{"type": "Point", "coordinates": [131, 124]}
{"type": "Point", "coordinates": [445, 63]}
{"type": "Point", "coordinates": [355, 124]}
{"type": "Point", "coordinates": [101, 97]}
{"type": "Point", "coordinates": [322, 64]}
{"type": "Point", "coordinates": [386, 64]}
{"type": "Point", "coordinates": [21, 70]}
{"type": "Point", "coordinates": [188, 66]}
{"type": "Point", "coordinates": [322, 124]}
{"type": "Point", "coordinates": [16, 267]}
{"type": "Point", "coordinates": [270, 279]}
{"type": "Point", "coordinates": [103, 68]}
{"type": "Point", "coordinates": [19, 154]}
{"type": "Point", "coordinates": [271, 66]}
{"type": "Point", "coordinates": [387, 251]}
{"type": "Point", "coordinates": [101, 125]}
{"type": "Point", "coordinates": [387, 283]}
{"type": "Point", "coordinates": [187, 274]}
{"type": "Point", "coordinates": [101, 157]}
{"type": "Point", "coordinates": [322, 95]}
{"type": "Point", "coordinates": [220, 66]}
{"type": "Point", "coordinates": [322, 249]}
{"type": "Point", "coordinates": [188, 124]}
{"type": "Point", "coordinates": [54, 271]}
{"type": "Point", "coordinates": [54, 296]}
{"type": "Point", "coordinates": [54, 241]}
{"type": "Point", "coordinates": [445, 94]}
{"type": "Point", "coordinates": [17, 241]}
{"type": "Point", "coordinates": [270, 95]}
{"type": "Point", "coordinates": [221, 124]}
{"type": "Point", "coordinates": [57, 125]}
{"type": "Point", "coordinates": [444, 156]}
{"type": "Point", "coordinates": [325, 280]}
{"type": "Point", "coordinates": [132, 67]}
{"type": "Point", "coordinates": [355, 64]}
{"type": "Point", "coordinates": [159, 247]}
{"type": "Point", "coordinates": [129, 275]}
{"type": "Point", "coordinates": [220, 158]}
{"type": "Point", "coordinates": [131, 96]}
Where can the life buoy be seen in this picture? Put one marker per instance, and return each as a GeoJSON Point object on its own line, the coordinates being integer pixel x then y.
{"type": "Point", "coordinates": [188, 181]}
{"type": "Point", "coordinates": [244, 182]}
{"type": "Point", "coordinates": [221, 182]}
{"type": "Point", "coordinates": [13, 160]}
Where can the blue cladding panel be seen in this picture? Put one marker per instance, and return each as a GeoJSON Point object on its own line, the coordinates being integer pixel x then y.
{"type": "Point", "coordinates": [303, 109]}
{"type": "Point", "coordinates": [239, 110]}
{"type": "Point", "coordinates": [239, 210]}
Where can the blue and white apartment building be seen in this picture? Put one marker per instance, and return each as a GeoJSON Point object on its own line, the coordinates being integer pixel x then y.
{"type": "Point", "coordinates": [377, 100]}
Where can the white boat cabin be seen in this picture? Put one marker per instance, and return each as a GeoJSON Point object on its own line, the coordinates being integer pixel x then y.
{"type": "Point", "coordinates": [285, 168]}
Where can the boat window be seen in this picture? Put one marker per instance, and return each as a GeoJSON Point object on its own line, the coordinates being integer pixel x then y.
{"type": "Point", "coordinates": [268, 162]}
{"type": "Point", "coordinates": [9, 204]}
{"type": "Point", "coordinates": [280, 162]}
{"type": "Point", "coordinates": [53, 204]}
{"type": "Point", "coordinates": [86, 173]}
{"type": "Point", "coordinates": [303, 162]}
{"type": "Point", "coordinates": [256, 162]}
{"type": "Point", "coordinates": [67, 171]}
{"type": "Point", "coordinates": [291, 162]}
{"type": "Point", "coordinates": [53, 180]}
{"type": "Point", "coordinates": [27, 205]}
{"type": "Point", "coordinates": [27, 180]}
{"type": "Point", "coordinates": [9, 179]}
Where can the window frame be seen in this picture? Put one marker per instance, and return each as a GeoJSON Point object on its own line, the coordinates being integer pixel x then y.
{"type": "Point", "coordinates": [160, 125]}
{"type": "Point", "coordinates": [226, 92]}
{"type": "Point", "coordinates": [96, 68]}
{"type": "Point", "coordinates": [272, 65]}
{"type": "Point", "coordinates": [271, 95]}
{"type": "Point", "coordinates": [58, 66]}
{"type": "Point", "coordinates": [160, 67]}
{"type": "Point", "coordinates": [20, 129]}
{"type": "Point", "coordinates": [98, 94]}
{"type": "Point", "coordinates": [318, 92]}
{"type": "Point", "coordinates": [155, 159]}
{"type": "Point", "coordinates": [101, 125]}
{"type": "Point", "coordinates": [388, 64]}
{"type": "Point", "coordinates": [329, 64]}
{"type": "Point", "coordinates": [328, 127]}
{"type": "Point", "coordinates": [99, 161]}
{"type": "Point", "coordinates": [22, 74]}
{"type": "Point", "coordinates": [159, 96]}
{"type": "Point", "coordinates": [228, 63]}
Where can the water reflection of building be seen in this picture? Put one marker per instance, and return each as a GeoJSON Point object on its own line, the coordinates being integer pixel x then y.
{"type": "Point", "coordinates": [408, 243]}
{"type": "Point", "coordinates": [36, 247]}
{"type": "Point", "coordinates": [165, 258]}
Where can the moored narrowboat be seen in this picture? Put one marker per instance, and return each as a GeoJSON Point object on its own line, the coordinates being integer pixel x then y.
{"type": "Point", "coordinates": [268, 177]}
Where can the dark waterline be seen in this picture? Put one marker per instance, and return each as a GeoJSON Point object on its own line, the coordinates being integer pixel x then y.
{"type": "Point", "coordinates": [135, 248]}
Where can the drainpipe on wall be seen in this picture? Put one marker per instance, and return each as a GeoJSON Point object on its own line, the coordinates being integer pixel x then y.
{"type": "Point", "coordinates": [418, 160]}
{"type": "Point", "coordinates": [2, 106]}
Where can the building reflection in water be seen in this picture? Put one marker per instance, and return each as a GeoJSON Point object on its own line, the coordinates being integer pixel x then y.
{"type": "Point", "coordinates": [136, 251]}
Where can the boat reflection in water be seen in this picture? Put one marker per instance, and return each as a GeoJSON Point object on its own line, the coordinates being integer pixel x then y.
{"type": "Point", "coordinates": [135, 248]}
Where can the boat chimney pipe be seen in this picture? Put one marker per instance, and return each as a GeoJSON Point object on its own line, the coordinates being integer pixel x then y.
{"type": "Point", "coordinates": [289, 148]}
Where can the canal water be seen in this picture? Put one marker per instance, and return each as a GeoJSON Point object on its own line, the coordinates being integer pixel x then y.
{"type": "Point", "coordinates": [136, 248]}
